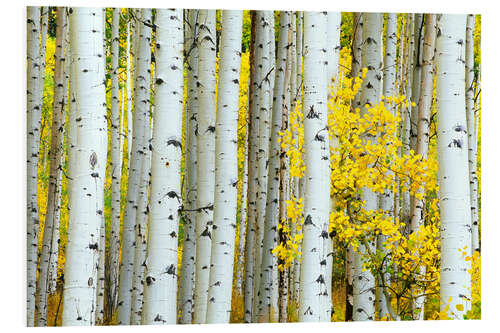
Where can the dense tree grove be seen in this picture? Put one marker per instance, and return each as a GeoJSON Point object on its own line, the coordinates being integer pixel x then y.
{"type": "Point", "coordinates": [233, 166]}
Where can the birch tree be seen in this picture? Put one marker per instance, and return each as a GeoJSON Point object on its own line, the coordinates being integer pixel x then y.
{"type": "Point", "coordinates": [363, 280]}
{"type": "Point", "coordinates": [268, 292]}
{"type": "Point", "coordinates": [422, 148]}
{"type": "Point", "coordinates": [186, 295]}
{"type": "Point", "coordinates": [90, 162]}
{"type": "Point", "coordinates": [161, 264]}
{"type": "Point", "coordinates": [34, 108]}
{"type": "Point", "coordinates": [115, 158]}
{"type": "Point", "coordinates": [452, 145]}
{"type": "Point", "coordinates": [471, 132]}
{"type": "Point", "coordinates": [52, 215]}
{"type": "Point", "coordinates": [205, 159]}
{"type": "Point", "coordinates": [226, 170]}
{"type": "Point", "coordinates": [313, 303]}
{"type": "Point", "coordinates": [264, 20]}
{"type": "Point", "coordinates": [141, 108]}
{"type": "Point", "coordinates": [387, 198]}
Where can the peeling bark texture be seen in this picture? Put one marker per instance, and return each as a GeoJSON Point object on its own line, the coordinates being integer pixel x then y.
{"type": "Point", "coordinates": [387, 198]}
{"type": "Point", "coordinates": [226, 170]}
{"type": "Point", "coordinates": [115, 165]}
{"type": "Point", "coordinates": [141, 110]}
{"type": "Point", "coordinates": [160, 286]}
{"type": "Point", "coordinates": [87, 197]}
{"type": "Point", "coordinates": [51, 230]}
{"type": "Point", "coordinates": [268, 292]}
{"type": "Point", "coordinates": [205, 159]}
{"type": "Point", "coordinates": [471, 131]}
{"type": "Point", "coordinates": [186, 295]}
{"type": "Point", "coordinates": [264, 21]}
{"type": "Point", "coordinates": [253, 130]}
{"type": "Point", "coordinates": [452, 147]}
{"type": "Point", "coordinates": [363, 281]}
{"type": "Point", "coordinates": [422, 148]}
{"type": "Point", "coordinates": [314, 297]}
{"type": "Point", "coordinates": [34, 109]}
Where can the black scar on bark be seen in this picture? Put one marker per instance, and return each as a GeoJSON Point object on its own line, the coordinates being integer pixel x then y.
{"type": "Point", "coordinates": [308, 220]}
{"type": "Point", "coordinates": [210, 129]}
{"type": "Point", "coordinates": [324, 234]}
{"type": "Point", "coordinates": [312, 114]}
{"type": "Point", "coordinates": [174, 142]}
{"type": "Point", "coordinates": [159, 81]}
{"type": "Point", "coordinates": [171, 270]}
{"type": "Point", "coordinates": [172, 195]}
{"type": "Point", "coordinates": [149, 280]}
{"type": "Point", "coordinates": [93, 246]}
{"type": "Point", "coordinates": [456, 143]}
{"type": "Point", "coordinates": [173, 234]}
{"type": "Point", "coordinates": [319, 138]}
{"type": "Point", "coordinates": [206, 233]}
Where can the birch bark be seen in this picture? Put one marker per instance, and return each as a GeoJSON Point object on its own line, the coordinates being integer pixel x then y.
{"type": "Point", "coordinates": [90, 161]}
{"type": "Point", "coordinates": [452, 148]}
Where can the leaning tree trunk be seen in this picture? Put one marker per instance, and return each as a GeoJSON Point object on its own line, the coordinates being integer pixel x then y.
{"type": "Point", "coordinates": [51, 229]}
{"type": "Point", "coordinates": [387, 198]}
{"type": "Point", "coordinates": [264, 20]}
{"type": "Point", "coordinates": [268, 290]}
{"type": "Point", "coordinates": [115, 159]}
{"type": "Point", "coordinates": [454, 200]}
{"type": "Point", "coordinates": [205, 159]}
{"type": "Point", "coordinates": [314, 298]}
{"type": "Point", "coordinates": [471, 132]}
{"type": "Point", "coordinates": [226, 170]}
{"type": "Point", "coordinates": [186, 294]}
{"type": "Point", "coordinates": [160, 289]}
{"type": "Point", "coordinates": [34, 109]}
{"type": "Point", "coordinates": [142, 70]}
{"type": "Point", "coordinates": [424, 113]}
{"type": "Point", "coordinates": [363, 280]}
{"type": "Point", "coordinates": [87, 184]}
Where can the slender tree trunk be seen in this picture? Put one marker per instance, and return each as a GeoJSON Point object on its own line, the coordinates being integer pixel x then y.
{"type": "Point", "coordinates": [51, 229]}
{"type": "Point", "coordinates": [452, 145]}
{"type": "Point", "coordinates": [99, 313]}
{"type": "Point", "coordinates": [130, 126]}
{"type": "Point", "coordinates": [387, 198]}
{"type": "Point", "coordinates": [160, 289]}
{"type": "Point", "coordinates": [141, 229]}
{"type": "Point", "coordinates": [268, 292]}
{"type": "Point", "coordinates": [355, 70]}
{"type": "Point", "coordinates": [253, 130]}
{"type": "Point", "coordinates": [264, 20]}
{"type": "Point", "coordinates": [87, 194]}
{"type": "Point", "coordinates": [186, 301]}
{"type": "Point", "coordinates": [226, 170]}
{"type": "Point", "coordinates": [418, 37]}
{"type": "Point", "coordinates": [471, 132]}
{"type": "Point", "coordinates": [314, 298]}
{"type": "Point", "coordinates": [34, 108]}
{"type": "Point", "coordinates": [115, 159]}
{"type": "Point", "coordinates": [422, 148]}
{"type": "Point", "coordinates": [142, 67]}
{"type": "Point", "coordinates": [205, 159]}
{"type": "Point", "coordinates": [363, 280]}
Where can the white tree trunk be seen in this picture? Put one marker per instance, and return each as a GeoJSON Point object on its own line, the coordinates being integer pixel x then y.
{"type": "Point", "coordinates": [141, 229]}
{"type": "Point", "coordinates": [186, 295]}
{"type": "Point", "coordinates": [264, 21]}
{"type": "Point", "coordinates": [34, 108]}
{"type": "Point", "coordinates": [99, 312]}
{"type": "Point", "coordinates": [205, 159]}
{"type": "Point", "coordinates": [363, 281]}
{"type": "Point", "coordinates": [418, 36]}
{"type": "Point", "coordinates": [160, 288]}
{"type": "Point", "coordinates": [142, 67]}
{"type": "Point", "coordinates": [115, 166]}
{"type": "Point", "coordinates": [314, 298]}
{"type": "Point", "coordinates": [51, 230]}
{"type": "Point", "coordinates": [130, 127]}
{"type": "Point", "coordinates": [268, 290]}
{"type": "Point", "coordinates": [452, 147]}
{"type": "Point", "coordinates": [422, 148]}
{"type": "Point", "coordinates": [471, 132]}
{"type": "Point", "coordinates": [387, 198]}
{"type": "Point", "coordinates": [87, 192]}
{"type": "Point", "coordinates": [226, 170]}
{"type": "Point", "coordinates": [253, 130]}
